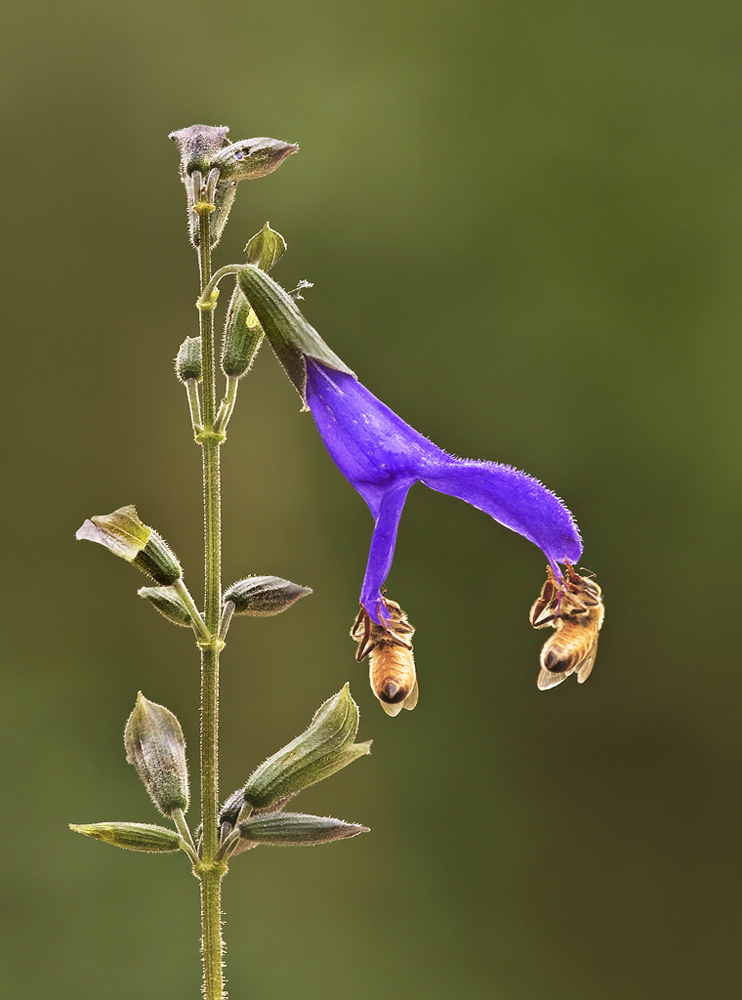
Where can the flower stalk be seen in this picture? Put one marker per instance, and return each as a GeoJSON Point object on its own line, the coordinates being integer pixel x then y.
{"type": "Point", "coordinates": [209, 873]}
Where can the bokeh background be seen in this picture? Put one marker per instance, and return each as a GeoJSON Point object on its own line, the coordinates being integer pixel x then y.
{"type": "Point", "coordinates": [523, 220]}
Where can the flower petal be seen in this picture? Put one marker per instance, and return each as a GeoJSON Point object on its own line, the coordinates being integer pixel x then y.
{"type": "Point", "coordinates": [516, 500]}
{"type": "Point", "coordinates": [371, 445]}
{"type": "Point", "coordinates": [382, 456]}
{"type": "Point", "coordinates": [381, 552]}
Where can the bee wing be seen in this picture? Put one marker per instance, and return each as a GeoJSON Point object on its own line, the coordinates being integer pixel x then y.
{"type": "Point", "coordinates": [584, 669]}
{"type": "Point", "coordinates": [391, 709]}
{"type": "Point", "coordinates": [549, 678]}
{"type": "Point", "coordinates": [411, 699]}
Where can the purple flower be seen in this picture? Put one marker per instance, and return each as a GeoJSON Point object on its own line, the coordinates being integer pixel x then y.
{"type": "Point", "coordinates": [382, 457]}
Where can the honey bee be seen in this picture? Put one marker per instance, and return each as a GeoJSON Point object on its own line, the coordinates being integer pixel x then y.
{"type": "Point", "coordinates": [391, 663]}
{"type": "Point", "coordinates": [574, 607]}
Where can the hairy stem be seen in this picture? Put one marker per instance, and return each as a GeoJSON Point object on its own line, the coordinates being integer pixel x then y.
{"type": "Point", "coordinates": [210, 874]}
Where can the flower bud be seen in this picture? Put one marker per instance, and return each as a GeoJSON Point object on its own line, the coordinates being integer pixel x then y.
{"type": "Point", "coordinates": [188, 361]}
{"type": "Point", "coordinates": [321, 750]}
{"type": "Point", "coordinates": [198, 145]}
{"type": "Point", "coordinates": [264, 595]}
{"type": "Point", "coordinates": [265, 248]}
{"type": "Point", "coordinates": [156, 747]}
{"type": "Point", "coordinates": [126, 536]}
{"type": "Point", "coordinates": [289, 334]}
{"type": "Point", "coordinates": [133, 836]}
{"type": "Point", "coordinates": [294, 830]}
{"type": "Point", "coordinates": [243, 336]}
{"type": "Point", "coordinates": [169, 603]}
{"type": "Point", "coordinates": [249, 159]}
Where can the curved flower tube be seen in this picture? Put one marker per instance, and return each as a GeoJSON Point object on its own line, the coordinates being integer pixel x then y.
{"type": "Point", "coordinates": [382, 457]}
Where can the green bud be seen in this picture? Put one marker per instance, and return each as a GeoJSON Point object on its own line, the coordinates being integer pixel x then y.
{"type": "Point", "coordinates": [294, 830]}
{"type": "Point", "coordinates": [168, 602]}
{"type": "Point", "coordinates": [156, 747]}
{"type": "Point", "coordinates": [126, 536]}
{"type": "Point", "coordinates": [321, 750]}
{"type": "Point", "coordinates": [289, 334]}
{"type": "Point", "coordinates": [132, 836]}
{"type": "Point", "coordinates": [249, 159]}
{"type": "Point", "coordinates": [188, 361]}
{"type": "Point", "coordinates": [264, 595]}
{"type": "Point", "coordinates": [243, 336]}
{"type": "Point", "coordinates": [265, 248]}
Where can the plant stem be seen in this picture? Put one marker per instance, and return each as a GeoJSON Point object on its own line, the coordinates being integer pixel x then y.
{"type": "Point", "coordinates": [210, 874]}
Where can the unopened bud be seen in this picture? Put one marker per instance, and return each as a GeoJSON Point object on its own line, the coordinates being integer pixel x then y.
{"type": "Point", "coordinates": [249, 159]}
{"type": "Point", "coordinates": [156, 747]}
{"type": "Point", "coordinates": [169, 603]}
{"type": "Point", "coordinates": [188, 361]}
{"type": "Point", "coordinates": [243, 336]}
{"type": "Point", "coordinates": [264, 595]}
{"type": "Point", "coordinates": [132, 836]}
{"type": "Point", "coordinates": [126, 536]}
{"type": "Point", "coordinates": [321, 750]}
{"type": "Point", "coordinates": [265, 248]}
{"type": "Point", "coordinates": [294, 830]}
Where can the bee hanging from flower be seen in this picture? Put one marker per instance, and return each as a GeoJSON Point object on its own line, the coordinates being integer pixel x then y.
{"type": "Point", "coordinates": [574, 607]}
{"type": "Point", "coordinates": [391, 662]}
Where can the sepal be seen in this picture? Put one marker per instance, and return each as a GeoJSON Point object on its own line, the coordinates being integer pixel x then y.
{"type": "Point", "coordinates": [132, 836]}
{"type": "Point", "coordinates": [124, 534]}
{"type": "Point", "coordinates": [169, 603]}
{"type": "Point", "coordinates": [156, 747]}
{"type": "Point", "coordinates": [294, 830]}
{"type": "Point", "coordinates": [290, 335]}
{"type": "Point", "coordinates": [325, 747]}
{"type": "Point", "coordinates": [262, 596]}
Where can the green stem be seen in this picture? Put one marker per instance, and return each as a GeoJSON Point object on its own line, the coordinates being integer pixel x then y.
{"type": "Point", "coordinates": [185, 833]}
{"type": "Point", "coordinates": [227, 404]}
{"type": "Point", "coordinates": [198, 623]}
{"type": "Point", "coordinates": [210, 874]}
{"type": "Point", "coordinates": [194, 404]}
{"type": "Point", "coordinates": [207, 290]}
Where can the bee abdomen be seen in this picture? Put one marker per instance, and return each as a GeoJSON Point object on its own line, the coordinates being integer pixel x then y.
{"type": "Point", "coordinates": [392, 673]}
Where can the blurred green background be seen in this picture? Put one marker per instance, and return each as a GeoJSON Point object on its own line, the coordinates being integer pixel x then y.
{"type": "Point", "coordinates": [523, 220]}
